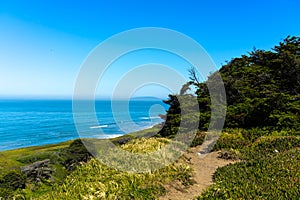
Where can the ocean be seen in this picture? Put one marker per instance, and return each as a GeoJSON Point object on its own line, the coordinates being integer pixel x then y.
{"type": "Point", "coordinates": [25, 123]}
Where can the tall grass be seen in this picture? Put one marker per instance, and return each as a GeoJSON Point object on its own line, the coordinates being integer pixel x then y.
{"type": "Point", "coordinates": [95, 180]}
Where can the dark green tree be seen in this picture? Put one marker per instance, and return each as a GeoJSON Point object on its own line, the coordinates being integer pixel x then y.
{"type": "Point", "coordinates": [262, 90]}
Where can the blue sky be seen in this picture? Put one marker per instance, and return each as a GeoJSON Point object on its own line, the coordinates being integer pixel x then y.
{"type": "Point", "coordinates": [44, 43]}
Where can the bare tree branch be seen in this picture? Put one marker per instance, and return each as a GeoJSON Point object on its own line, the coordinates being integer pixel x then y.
{"type": "Point", "coordinates": [193, 75]}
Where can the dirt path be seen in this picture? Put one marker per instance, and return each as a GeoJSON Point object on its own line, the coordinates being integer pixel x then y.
{"type": "Point", "coordinates": [203, 169]}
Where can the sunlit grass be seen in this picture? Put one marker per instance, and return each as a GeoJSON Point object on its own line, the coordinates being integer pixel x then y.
{"type": "Point", "coordinates": [13, 159]}
{"type": "Point", "coordinates": [94, 180]}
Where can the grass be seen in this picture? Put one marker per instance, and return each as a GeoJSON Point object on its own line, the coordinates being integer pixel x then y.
{"type": "Point", "coordinates": [13, 159]}
{"type": "Point", "coordinates": [77, 175]}
{"type": "Point", "coordinates": [269, 170]}
{"type": "Point", "coordinates": [94, 180]}
{"type": "Point", "coordinates": [265, 178]}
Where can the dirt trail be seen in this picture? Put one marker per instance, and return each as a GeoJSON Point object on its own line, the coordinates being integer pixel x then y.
{"type": "Point", "coordinates": [203, 169]}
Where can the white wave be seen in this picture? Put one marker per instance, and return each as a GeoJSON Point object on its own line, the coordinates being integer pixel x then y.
{"type": "Point", "coordinates": [101, 126]}
{"type": "Point", "coordinates": [144, 117]}
{"type": "Point", "coordinates": [113, 135]}
{"type": "Point", "coordinates": [153, 117]}
{"type": "Point", "coordinates": [108, 136]}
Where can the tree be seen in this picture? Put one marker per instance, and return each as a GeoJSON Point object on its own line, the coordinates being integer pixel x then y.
{"type": "Point", "coordinates": [262, 90]}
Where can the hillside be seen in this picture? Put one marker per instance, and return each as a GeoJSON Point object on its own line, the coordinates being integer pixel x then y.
{"type": "Point", "coordinates": [261, 127]}
{"type": "Point", "coordinates": [261, 140]}
{"type": "Point", "coordinates": [262, 90]}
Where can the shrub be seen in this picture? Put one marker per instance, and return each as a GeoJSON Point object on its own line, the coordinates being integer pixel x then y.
{"type": "Point", "coordinates": [13, 180]}
{"type": "Point", "coordinates": [264, 178]}
{"type": "Point", "coordinates": [10, 182]}
{"type": "Point", "coordinates": [35, 157]}
{"type": "Point", "coordinates": [232, 140]}
{"type": "Point", "coordinates": [73, 155]}
{"type": "Point", "coordinates": [269, 146]}
{"type": "Point", "coordinates": [199, 138]}
{"type": "Point", "coordinates": [253, 134]}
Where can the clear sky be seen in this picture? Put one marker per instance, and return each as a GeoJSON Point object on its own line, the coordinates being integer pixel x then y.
{"type": "Point", "coordinates": [44, 43]}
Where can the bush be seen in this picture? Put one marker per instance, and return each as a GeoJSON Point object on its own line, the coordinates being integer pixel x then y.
{"type": "Point", "coordinates": [73, 155]}
{"type": "Point", "coordinates": [264, 178]}
{"type": "Point", "coordinates": [13, 180]}
{"type": "Point", "coordinates": [232, 140]}
{"type": "Point", "coordinates": [35, 157]}
{"type": "Point", "coordinates": [269, 146]}
{"type": "Point", "coordinates": [253, 134]}
{"type": "Point", "coordinates": [10, 182]}
{"type": "Point", "coordinates": [199, 138]}
{"type": "Point", "coordinates": [285, 132]}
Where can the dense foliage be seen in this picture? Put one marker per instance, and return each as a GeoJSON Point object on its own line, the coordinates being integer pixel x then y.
{"type": "Point", "coordinates": [262, 90]}
{"type": "Point", "coordinates": [262, 124]}
{"type": "Point", "coordinates": [10, 182]}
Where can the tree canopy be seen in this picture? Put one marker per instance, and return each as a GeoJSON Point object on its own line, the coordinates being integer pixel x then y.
{"type": "Point", "coordinates": [262, 90]}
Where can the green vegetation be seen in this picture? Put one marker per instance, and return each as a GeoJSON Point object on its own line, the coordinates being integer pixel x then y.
{"type": "Point", "coordinates": [64, 158]}
{"type": "Point", "coordinates": [90, 179]}
{"type": "Point", "coordinates": [269, 170]}
{"type": "Point", "coordinates": [261, 127]}
{"type": "Point", "coordinates": [94, 180]}
{"type": "Point", "coordinates": [262, 131]}
{"type": "Point", "coordinates": [15, 183]}
{"type": "Point", "coordinates": [10, 182]}
{"type": "Point", "coordinates": [262, 91]}
{"type": "Point", "coordinates": [13, 159]}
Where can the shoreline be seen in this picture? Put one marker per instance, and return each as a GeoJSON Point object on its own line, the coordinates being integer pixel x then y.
{"type": "Point", "coordinates": [35, 123]}
{"type": "Point", "coordinates": [62, 143]}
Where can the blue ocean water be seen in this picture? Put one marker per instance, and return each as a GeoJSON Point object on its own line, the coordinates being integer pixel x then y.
{"type": "Point", "coordinates": [26, 123]}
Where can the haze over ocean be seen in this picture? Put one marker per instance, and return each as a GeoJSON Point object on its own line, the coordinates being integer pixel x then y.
{"type": "Point", "coordinates": [26, 123]}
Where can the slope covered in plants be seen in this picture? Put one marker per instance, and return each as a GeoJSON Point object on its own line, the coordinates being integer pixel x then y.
{"type": "Point", "coordinates": [262, 90]}
{"type": "Point", "coordinates": [262, 124]}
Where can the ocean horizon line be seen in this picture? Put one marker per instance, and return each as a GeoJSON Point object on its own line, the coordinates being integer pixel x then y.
{"type": "Point", "coordinates": [43, 98]}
